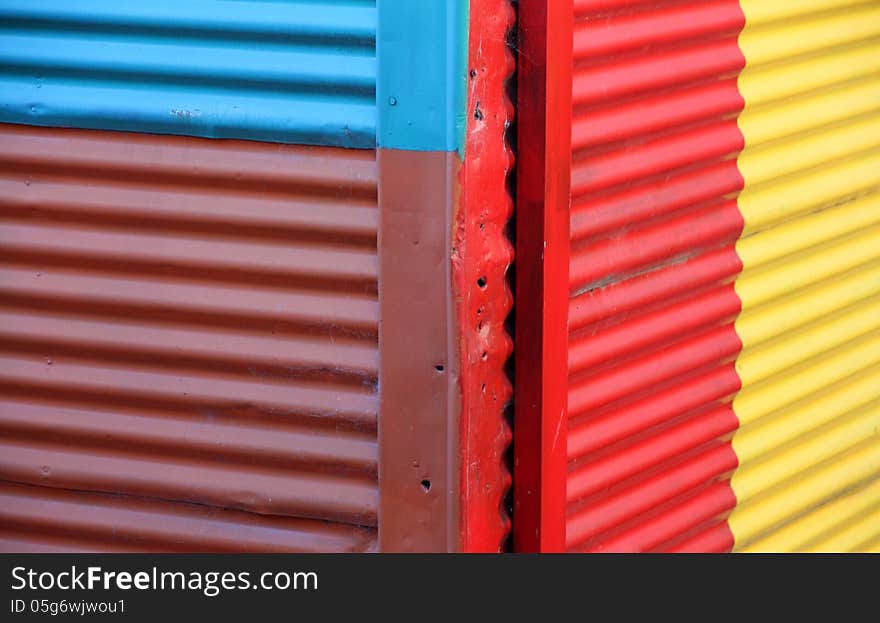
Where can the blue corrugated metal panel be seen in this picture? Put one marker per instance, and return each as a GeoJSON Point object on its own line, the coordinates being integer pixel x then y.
{"type": "Point", "coordinates": [300, 71]}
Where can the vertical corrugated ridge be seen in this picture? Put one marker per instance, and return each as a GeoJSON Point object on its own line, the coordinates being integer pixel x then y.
{"type": "Point", "coordinates": [653, 221]}
{"type": "Point", "coordinates": [482, 255]}
{"type": "Point", "coordinates": [188, 325]}
{"type": "Point", "coordinates": [808, 444]}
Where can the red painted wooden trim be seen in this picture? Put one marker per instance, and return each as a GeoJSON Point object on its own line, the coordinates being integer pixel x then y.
{"type": "Point", "coordinates": [542, 283]}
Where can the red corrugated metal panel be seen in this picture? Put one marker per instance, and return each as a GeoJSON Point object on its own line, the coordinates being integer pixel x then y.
{"type": "Point", "coordinates": [192, 324]}
{"type": "Point", "coordinates": [652, 261]}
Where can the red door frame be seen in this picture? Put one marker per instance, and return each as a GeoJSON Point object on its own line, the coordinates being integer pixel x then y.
{"type": "Point", "coordinates": [544, 116]}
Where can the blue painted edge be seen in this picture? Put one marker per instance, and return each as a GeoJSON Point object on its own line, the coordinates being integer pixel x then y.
{"type": "Point", "coordinates": [421, 87]}
{"type": "Point", "coordinates": [303, 123]}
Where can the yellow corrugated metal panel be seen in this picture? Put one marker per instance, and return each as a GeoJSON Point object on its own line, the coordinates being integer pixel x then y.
{"type": "Point", "coordinates": [809, 410]}
{"type": "Point", "coordinates": [851, 537]}
{"type": "Point", "coordinates": [785, 198]}
{"type": "Point", "coordinates": [800, 75]}
{"type": "Point", "coordinates": [822, 529]}
{"type": "Point", "coordinates": [803, 30]}
{"type": "Point", "coordinates": [762, 11]}
{"type": "Point", "coordinates": [788, 501]}
{"type": "Point", "coordinates": [804, 382]}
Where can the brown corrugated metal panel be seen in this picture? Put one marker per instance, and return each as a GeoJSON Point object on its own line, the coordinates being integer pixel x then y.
{"type": "Point", "coordinates": [191, 327]}
{"type": "Point", "coordinates": [38, 518]}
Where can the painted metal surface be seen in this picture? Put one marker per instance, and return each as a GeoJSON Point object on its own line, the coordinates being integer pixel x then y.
{"type": "Point", "coordinates": [420, 395]}
{"type": "Point", "coordinates": [723, 325]}
{"type": "Point", "coordinates": [443, 203]}
{"type": "Point", "coordinates": [300, 71]}
{"type": "Point", "coordinates": [192, 329]}
{"type": "Point", "coordinates": [422, 54]}
{"type": "Point", "coordinates": [481, 256]}
{"type": "Point", "coordinates": [651, 337]}
{"type": "Point", "coordinates": [42, 519]}
{"type": "Point", "coordinates": [420, 503]}
{"type": "Point", "coordinates": [542, 249]}
{"type": "Point", "coordinates": [808, 442]}
{"type": "Point", "coordinates": [189, 343]}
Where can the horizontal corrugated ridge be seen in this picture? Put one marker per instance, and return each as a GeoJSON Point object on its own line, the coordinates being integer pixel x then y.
{"type": "Point", "coordinates": [606, 427]}
{"type": "Point", "coordinates": [299, 72]}
{"type": "Point", "coordinates": [54, 520]}
{"type": "Point", "coordinates": [659, 490]}
{"type": "Point", "coordinates": [167, 338]}
{"type": "Point", "coordinates": [272, 442]}
{"type": "Point", "coordinates": [223, 483]}
{"type": "Point", "coordinates": [811, 280]}
{"type": "Point", "coordinates": [696, 517]}
{"type": "Point", "coordinates": [245, 167]}
{"type": "Point", "coordinates": [653, 224]}
{"type": "Point", "coordinates": [806, 29]}
{"type": "Point", "coordinates": [850, 469]}
{"type": "Point", "coordinates": [828, 528]}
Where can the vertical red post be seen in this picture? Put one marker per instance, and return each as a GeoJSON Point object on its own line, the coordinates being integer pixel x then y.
{"type": "Point", "coordinates": [542, 269]}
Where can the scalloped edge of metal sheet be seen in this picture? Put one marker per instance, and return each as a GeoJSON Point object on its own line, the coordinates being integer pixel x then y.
{"type": "Point", "coordinates": [482, 254]}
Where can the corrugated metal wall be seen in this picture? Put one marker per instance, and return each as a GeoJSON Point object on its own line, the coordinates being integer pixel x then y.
{"type": "Point", "coordinates": [187, 327]}
{"type": "Point", "coordinates": [301, 71]}
{"type": "Point", "coordinates": [190, 328]}
{"type": "Point", "coordinates": [653, 228]}
{"type": "Point", "coordinates": [809, 410]}
{"type": "Point", "coordinates": [724, 317]}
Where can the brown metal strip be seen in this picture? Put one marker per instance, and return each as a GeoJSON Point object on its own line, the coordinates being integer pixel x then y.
{"type": "Point", "coordinates": [419, 387]}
